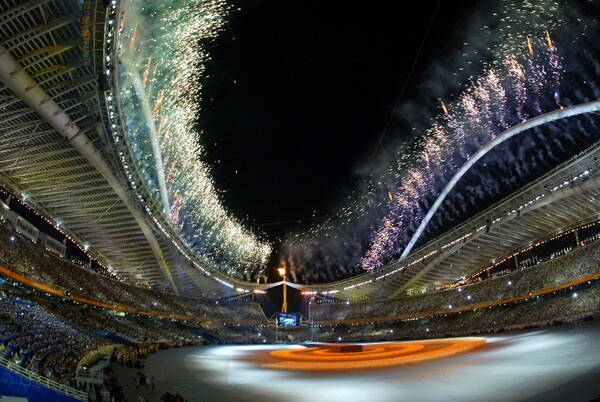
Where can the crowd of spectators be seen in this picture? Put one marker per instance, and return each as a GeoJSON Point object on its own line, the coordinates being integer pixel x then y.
{"type": "Point", "coordinates": [570, 305]}
{"type": "Point", "coordinates": [508, 302]}
{"type": "Point", "coordinates": [31, 260]}
{"type": "Point", "coordinates": [42, 342]}
{"type": "Point", "coordinates": [552, 273]}
{"type": "Point", "coordinates": [50, 335]}
{"type": "Point", "coordinates": [131, 327]}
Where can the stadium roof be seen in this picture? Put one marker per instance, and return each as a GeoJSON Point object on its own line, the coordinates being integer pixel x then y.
{"type": "Point", "coordinates": [564, 199]}
{"type": "Point", "coordinates": [56, 151]}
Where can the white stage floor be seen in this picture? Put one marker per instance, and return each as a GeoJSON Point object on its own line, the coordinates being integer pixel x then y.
{"type": "Point", "coordinates": [550, 364]}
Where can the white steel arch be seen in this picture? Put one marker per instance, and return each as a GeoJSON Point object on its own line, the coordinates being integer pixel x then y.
{"type": "Point", "coordinates": [24, 86]}
{"type": "Point", "coordinates": [545, 118]}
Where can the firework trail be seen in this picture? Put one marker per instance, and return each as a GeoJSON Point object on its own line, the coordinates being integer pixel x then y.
{"type": "Point", "coordinates": [522, 70]}
{"type": "Point", "coordinates": [161, 53]}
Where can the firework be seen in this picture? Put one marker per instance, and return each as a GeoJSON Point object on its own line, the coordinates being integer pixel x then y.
{"type": "Point", "coordinates": [521, 76]}
{"type": "Point", "coordinates": [161, 53]}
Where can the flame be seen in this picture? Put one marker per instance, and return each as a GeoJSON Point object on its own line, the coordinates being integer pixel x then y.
{"type": "Point", "coordinates": [445, 109]}
{"type": "Point", "coordinates": [550, 44]}
{"type": "Point", "coordinates": [146, 70]}
{"type": "Point", "coordinates": [161, 124]}
{"type": "Point", "coordinates": [157, 104]}
{"type": "Point", "coordinates": [132, 41]}
{"type": "Point", "coordinates": [391, 197]}
{"type": "Point", "coordinates": [529, 46]}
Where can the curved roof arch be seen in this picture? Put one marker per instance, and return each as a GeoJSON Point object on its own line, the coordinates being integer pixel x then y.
{"type": "Point", "coordinates": [563, 199]}
{"type": "Point", "coordinates": [559, 114]}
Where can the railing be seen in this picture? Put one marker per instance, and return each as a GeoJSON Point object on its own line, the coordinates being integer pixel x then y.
{"type": "Point", "coordinates": [92, 377]}
{"type": "Point", "coordinates": [89, 369]}
{"type": "Point", "coordinates": [46, 382]}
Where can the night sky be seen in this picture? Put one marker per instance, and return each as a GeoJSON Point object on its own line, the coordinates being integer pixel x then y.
{"type": "Point", "coordinates": [300, 94]}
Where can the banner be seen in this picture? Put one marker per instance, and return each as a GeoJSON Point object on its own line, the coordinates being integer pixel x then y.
{"type": "Point", "coordinates": [86, 27]}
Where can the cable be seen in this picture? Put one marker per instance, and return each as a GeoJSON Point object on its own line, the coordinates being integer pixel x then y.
{"type": "Point", "coordinates": [407, 80]}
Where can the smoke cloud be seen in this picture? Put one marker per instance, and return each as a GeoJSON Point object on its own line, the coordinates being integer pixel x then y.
{"type": "Point", "coordinates": [511, 63]}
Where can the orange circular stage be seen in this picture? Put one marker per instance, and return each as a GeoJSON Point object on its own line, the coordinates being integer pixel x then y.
{"type": "Point", "coordinates": [340, 357]}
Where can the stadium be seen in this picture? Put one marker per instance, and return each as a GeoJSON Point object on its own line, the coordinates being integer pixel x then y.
{"type": "Point", "coordinates": [123, 276]}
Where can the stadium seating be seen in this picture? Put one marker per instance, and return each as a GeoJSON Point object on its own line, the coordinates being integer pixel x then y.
{"type": "Point", "coordinates": [51, 333]}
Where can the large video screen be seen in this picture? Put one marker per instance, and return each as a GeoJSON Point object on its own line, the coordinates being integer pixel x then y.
{"type": "Point", "coordinates": [288, 319]}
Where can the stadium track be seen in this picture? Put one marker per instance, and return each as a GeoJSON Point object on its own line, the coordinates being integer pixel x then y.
{"type": "Point", "coordinates": [555, 363]}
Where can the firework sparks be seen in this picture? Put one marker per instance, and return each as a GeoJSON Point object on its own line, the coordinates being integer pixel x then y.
{"type": "Point", "coordinates": [516, 82]}
{"type": "Point", "coordinates": [161, 65]}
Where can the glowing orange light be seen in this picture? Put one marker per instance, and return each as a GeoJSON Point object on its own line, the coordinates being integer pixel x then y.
{"type": "Point", "coordinates": [549, 39]}
{"type": "Point", "coordinates": [133, 36]}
